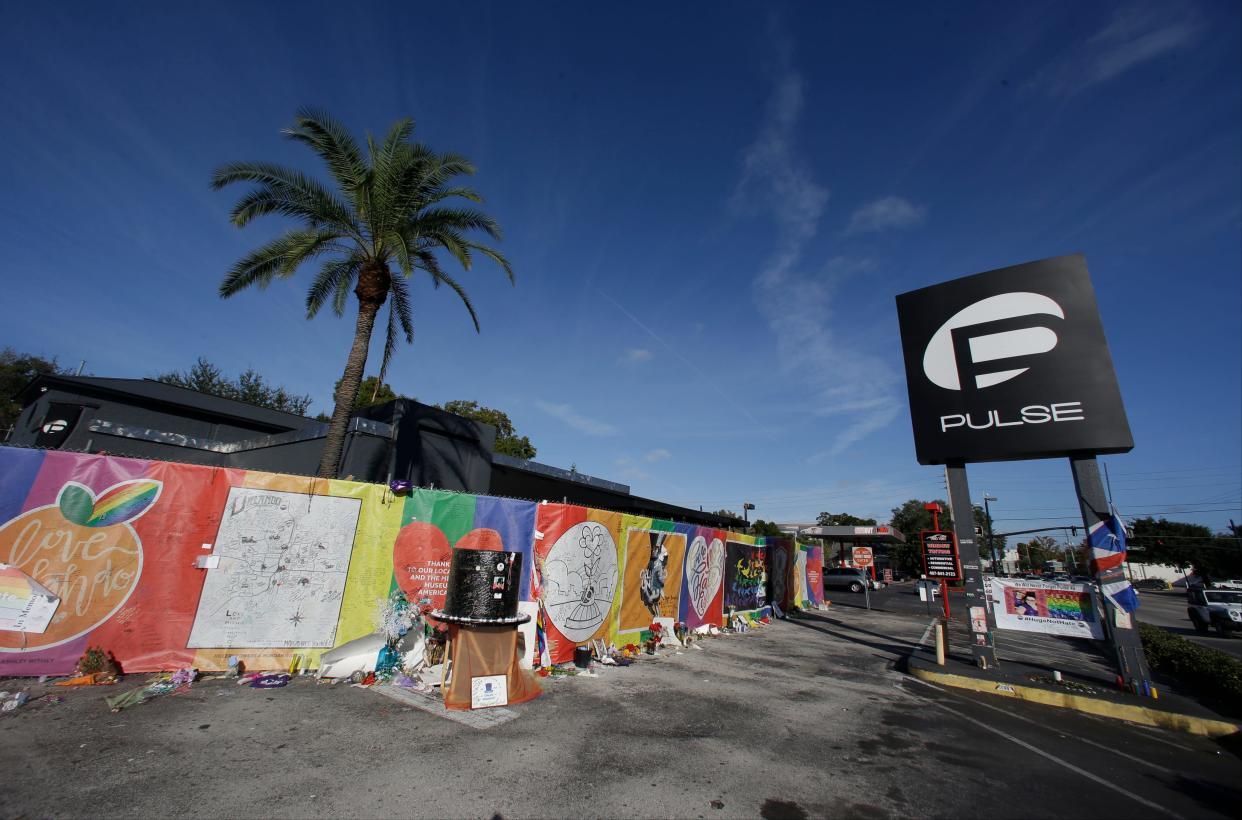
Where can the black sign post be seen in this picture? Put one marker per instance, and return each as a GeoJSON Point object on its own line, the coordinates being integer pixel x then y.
{"type": "Point", "coordinates": [982, 648]}
{"type": "Point", "coordinates": [1013, 364]}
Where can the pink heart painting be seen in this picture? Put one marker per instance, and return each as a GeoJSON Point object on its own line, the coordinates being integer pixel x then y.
{"type": "Point", "coordinates": [705, 571]}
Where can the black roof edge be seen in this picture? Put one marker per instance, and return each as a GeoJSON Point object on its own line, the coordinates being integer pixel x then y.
{"type": "Point", "coordinates": [92, 382]}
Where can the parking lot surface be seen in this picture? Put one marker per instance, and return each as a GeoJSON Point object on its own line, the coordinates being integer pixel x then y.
{"type": "Point", "coordinates": [806, 718]}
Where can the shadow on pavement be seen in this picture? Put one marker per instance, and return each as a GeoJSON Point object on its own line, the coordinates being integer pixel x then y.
{"type": "Point", "coordinates": [899, 650]}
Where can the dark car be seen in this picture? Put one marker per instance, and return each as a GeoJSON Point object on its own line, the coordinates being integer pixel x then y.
{"type": "Point", "coordinates": [855, 580]}
{"type": "Point", "coordinates": [1151, 583]}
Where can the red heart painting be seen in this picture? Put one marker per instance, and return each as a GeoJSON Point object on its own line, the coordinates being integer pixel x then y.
{"type": "Point", "coordinates": [421, 557]}
{"type": "Point", "coordinates": [420, 561]}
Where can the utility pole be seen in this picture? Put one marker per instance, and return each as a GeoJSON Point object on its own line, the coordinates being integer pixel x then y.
{"type": "Point", "coordinates": [987, 515]}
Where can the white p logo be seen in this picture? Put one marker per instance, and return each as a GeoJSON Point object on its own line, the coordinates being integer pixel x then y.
{"type": "Point", "coordinates": [940, 360]}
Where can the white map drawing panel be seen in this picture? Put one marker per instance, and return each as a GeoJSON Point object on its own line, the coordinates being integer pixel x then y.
{"type": "Point", "coordinates": [283, 562]}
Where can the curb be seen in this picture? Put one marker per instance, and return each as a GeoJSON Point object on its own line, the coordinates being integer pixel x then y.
{"type": "Point", "coordinates": [1190, 724]}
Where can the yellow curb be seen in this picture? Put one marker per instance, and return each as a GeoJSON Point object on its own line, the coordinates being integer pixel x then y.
{"type": "Point", "coordinates": [1092, 706]}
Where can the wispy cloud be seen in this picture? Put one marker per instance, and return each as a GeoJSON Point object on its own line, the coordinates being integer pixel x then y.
{"type": "Point", "coordinates": [656, 455]}
{"type": "Point", "coordinates": [883, 214]}
{"type": "Point", "coordinates": [713, 382]}
{"type": "Point", "coordinates": [635, 355]}
{"type": "Point", "coordinates": [1134, 35]}
{"type": "Point", "coordinates": [579, 422]}
{"type": "Point", "coordinates": [841, 380]}
{"type": "Point", "coordinates": [631, 471]}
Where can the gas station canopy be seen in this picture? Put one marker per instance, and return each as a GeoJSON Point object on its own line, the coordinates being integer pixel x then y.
{"type": "Point", "coordinates": [854, 535]}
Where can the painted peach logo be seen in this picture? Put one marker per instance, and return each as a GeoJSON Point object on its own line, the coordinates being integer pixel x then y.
{"type": "Point", "coordinates": [84, 550]}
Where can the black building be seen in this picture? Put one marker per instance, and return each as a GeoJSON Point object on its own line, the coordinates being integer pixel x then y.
{"type": "Point", "coordinates": [399, 440]}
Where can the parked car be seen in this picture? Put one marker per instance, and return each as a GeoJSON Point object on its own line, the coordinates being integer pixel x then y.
{"type": "Point", "coordinates": [1151, 583]}
{"type": "Point", "coordinates": [1220, 609]}
{"type": "Point", "coordinates": [855, 580]}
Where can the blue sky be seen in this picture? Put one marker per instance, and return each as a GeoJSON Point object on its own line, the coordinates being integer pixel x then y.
{"type": "Point", "coordinates": [709, 208]}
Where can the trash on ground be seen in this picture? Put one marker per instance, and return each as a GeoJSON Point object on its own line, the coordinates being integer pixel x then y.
{"type": "Point", "coordinates": [13, 700]}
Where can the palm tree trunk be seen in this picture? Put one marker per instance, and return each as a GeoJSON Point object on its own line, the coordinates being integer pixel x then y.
{"type": "Point", "coordinates": [347, 393]}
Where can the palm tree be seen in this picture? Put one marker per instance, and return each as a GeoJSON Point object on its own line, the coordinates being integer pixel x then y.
{"type": "Point", "coordinates": [389, 214]}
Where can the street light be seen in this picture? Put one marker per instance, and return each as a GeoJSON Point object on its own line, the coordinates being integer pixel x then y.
{"type": "Point", "coordinates": [746, 507]}
{"type": "Point", "coordinates": [987, 520]}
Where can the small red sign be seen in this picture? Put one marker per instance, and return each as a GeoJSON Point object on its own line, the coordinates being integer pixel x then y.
{"type": "Point", "coordinates": [862, 557]}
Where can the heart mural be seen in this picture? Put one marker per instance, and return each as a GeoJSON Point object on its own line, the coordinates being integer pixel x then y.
{"type": "Point", "coordinates": [84, 550]}
{"type": "Point", "coordinates": [421, 557]}
{"type": "Point", "coordinates": [705, 565]}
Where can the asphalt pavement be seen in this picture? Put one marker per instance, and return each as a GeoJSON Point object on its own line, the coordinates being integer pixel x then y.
{"type": "Point", "coordinates": [806, 718]}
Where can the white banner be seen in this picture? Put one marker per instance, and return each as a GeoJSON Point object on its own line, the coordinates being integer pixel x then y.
{"type": "Point", "coordinates": [1068, 610]}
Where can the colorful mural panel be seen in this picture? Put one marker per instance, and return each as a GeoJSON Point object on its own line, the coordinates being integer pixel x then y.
{"type": "Point", "coordinates": [579, 571]}
{"type": "Point", "coordinates": [296, 565]}
{"type": "Point", "coordinates": [654, 560]}
{"type": "Point", "coordinates": [745, 577]}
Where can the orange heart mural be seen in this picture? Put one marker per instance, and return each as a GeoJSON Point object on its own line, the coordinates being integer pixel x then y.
{"type": "Point", "coordinates": [83, 549]}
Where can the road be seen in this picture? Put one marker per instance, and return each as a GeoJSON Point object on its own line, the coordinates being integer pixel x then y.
{"type": "Point", "coordinates": [806, 718]}
{"type": "Point", "coordinates": [1163, 609]}
{"type": "Point", "coordinates": [1168, 610]}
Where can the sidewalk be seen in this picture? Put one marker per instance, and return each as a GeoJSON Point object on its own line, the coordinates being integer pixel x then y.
{"type": "Point", "coordinates": [1088, 680]}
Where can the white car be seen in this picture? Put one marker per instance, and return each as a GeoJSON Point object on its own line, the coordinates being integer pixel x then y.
{"type": "Point", "coordinates": [1220, 609]}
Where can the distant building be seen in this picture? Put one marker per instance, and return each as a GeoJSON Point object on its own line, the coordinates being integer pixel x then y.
{"type": "Point", "coordinates": [399, 440]}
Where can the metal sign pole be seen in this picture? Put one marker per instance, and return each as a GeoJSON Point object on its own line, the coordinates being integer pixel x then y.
{"type": "Point", "coordinates": [1120, 627]}
{"type": "Point", "coordinates": [982, 648]}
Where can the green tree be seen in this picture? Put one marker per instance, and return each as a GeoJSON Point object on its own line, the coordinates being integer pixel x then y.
{"type": "Point", "coordinates": [1041, 548]}
{"type": "Point", "coordinates": [910, 519]}
{"type": "Point", "coordinates": [827, 519]}
{"type": "Point", "coordinates": [737, 521]}
{"type": "Point", "coordinates": [16, 371]}
{"type": "Point", "coordinates": [1160, 541]}
{"type": "Point", "coordinates": [391, 212]}
{"type": "Point", "coordinates": [371, 391]}
{"type": "Point", "coordinates": [761, 527]}
{"type": "Point", "coordinates": [508, 441]}
{"type": "Point", "coordinates": [249, 387]}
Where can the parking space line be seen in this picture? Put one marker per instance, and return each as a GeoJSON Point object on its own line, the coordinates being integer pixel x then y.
{"type": "Point", "coordinates": [1053, 758]}
{"type": "Point", "coordinates": [1007, 713]}
{"type": "Point", "coordinates": [1151, 733]}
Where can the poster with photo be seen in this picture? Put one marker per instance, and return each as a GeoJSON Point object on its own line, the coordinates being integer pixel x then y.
{"type": "Point", "coordinates": [1067, 610]}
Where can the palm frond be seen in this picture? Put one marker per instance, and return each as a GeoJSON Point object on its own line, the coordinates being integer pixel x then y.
{"type": "Point", "coordinates": [460, 219]}
{"type": "Point", "coordinates": [335, 275]}
{"type": "Point", "coordinates": [453, 242]}
{"type": "Point", "coordinates": [497, 257]}
{"type": "Point", "coordinates": [449, 193]}
{"type": "Point", "coordinates": [311, 200]}
{"type": "Point", "coordinates": [332, 141]}
{"type": "Point", "coordinates": [428, 262]}
{"type": "Point", "coordinates": [399, 316]}
{"type": "Point", "coordinates": [280, 257]}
